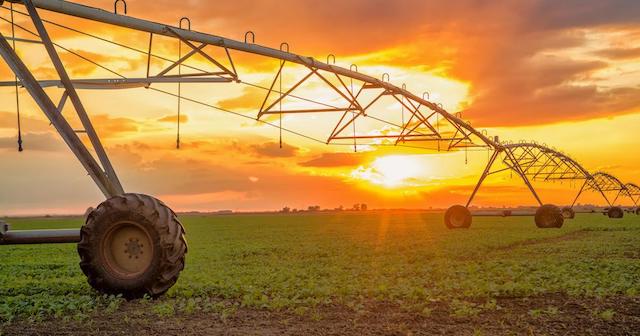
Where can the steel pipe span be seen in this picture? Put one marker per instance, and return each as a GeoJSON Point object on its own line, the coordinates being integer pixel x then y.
{"type": "Point", "coordinates": [61, 236]}
{"type": "Point", "coordinates": [95, 14]}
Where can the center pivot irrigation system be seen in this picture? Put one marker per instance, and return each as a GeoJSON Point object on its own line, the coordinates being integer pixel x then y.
{"type": "Point", "coordinates": [133, 244]}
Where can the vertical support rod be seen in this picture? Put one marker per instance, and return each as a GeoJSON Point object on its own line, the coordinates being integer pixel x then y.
{"type": "Point", "coordinates": [149, 53]}
{"type": "Point", "coordinates": [280, 103]}
{"type": "Point", "coordinates": [116, 186]}
{"type": "Point", "coordinates": [13, 41]}
{"type": "Point", "coordinates": [179, 94]}
{"type": "Point", "coordinates": [518, 170]}
{"type": "Point", "coordinates": [58, 121]}
{"type": "Point", "coordinates": [353, 115]}
{"type": "Point", "coordinates": [484, 175]}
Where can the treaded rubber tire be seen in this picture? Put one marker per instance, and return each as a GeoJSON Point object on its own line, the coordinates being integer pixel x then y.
{"type": "Point", "coordinates": [549, 216]}
{"type": "Point", "coordinates": [568, 213]}
{"type": "Point", "coordinates": [615, 212]}
{"type": "Point", "coordinates": [162, 226]}
{"type": "Point", "coordinates": [457, 217]}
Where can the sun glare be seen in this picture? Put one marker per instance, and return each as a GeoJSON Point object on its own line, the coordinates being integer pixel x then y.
{"type": "Point", "coordinates": [392, 171]}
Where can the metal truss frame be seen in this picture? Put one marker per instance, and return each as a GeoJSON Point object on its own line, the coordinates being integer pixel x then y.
{"type": "Point", "coordinates": [427, 121]}
{"type": "Point", "coordinates": [605, 182]}
{"type": "Point", "coordinates": [356, 107]}
{"type": "Point", "coordinates": [535, 162]}
{"type": "Point", "coordinates": [633, 191]}
{"type": "Point", "coordinates": [421, 109]}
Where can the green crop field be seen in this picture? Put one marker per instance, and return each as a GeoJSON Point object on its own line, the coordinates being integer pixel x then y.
{"type": "Point", "coordinates": [299, 264]}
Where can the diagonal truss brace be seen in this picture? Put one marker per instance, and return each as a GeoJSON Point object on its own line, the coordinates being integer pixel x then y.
{"type": "Point", "coordinates": [56, 118]}
{"type": "Point", "coordinates": [106, 179]}
{"type": "Point", "coordinates": [225, 73]}
{"type": "Point", "coordinates": [509, 157]}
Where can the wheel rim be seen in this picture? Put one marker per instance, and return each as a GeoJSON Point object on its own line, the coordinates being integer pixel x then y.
{"type": "Point", "coordinates": [547, 219]}
{"type": "Point", "coordinates": [457, 219]}
{"type": "Point", "coordinates": [127, 249]}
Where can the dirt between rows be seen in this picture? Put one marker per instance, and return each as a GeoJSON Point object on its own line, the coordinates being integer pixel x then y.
{"type": "Point", "coordinates": [573, 235]}
{"type": "Point", "coordinates": [514, 316]}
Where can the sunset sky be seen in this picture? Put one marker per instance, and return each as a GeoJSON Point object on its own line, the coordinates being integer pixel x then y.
{"type": "Point", "coordinates": [564, 73]}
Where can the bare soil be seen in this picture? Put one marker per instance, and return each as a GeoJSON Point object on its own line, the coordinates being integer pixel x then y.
{"type": "Point", "coordinates": [519, 316]}
{"type": "Point", "coordinates": [573, 235]}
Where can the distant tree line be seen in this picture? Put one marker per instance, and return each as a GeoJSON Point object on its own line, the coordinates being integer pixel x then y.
{"type": "Point", "coordinates": [317, 208]}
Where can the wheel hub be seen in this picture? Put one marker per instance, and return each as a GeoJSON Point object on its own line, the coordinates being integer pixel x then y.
{"type": "Point", "coordinates": [457, 219]}
{"type": "Point", "coordinates": [548, 220]}
{"type": "Point", "coordinates": [133, 248]}
{"type": "Point", "coordinates": [128, 249]}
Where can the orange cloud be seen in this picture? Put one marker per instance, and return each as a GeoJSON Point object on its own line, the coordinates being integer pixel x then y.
{"type": "Point", "coordinates": [250, 99]}
{"type": "Point", "coordinates": [174, 118]}
{"type": "Point", "coordinates": [273, 149]}
{"type": "Point", "coordinates": [327, 160]}
{"type": "Point", "coordinates": [619, 53]}
{"type": "Point", "coordinates": [9, 120]}
{"type": "Point", "coordinates": [108, 126]}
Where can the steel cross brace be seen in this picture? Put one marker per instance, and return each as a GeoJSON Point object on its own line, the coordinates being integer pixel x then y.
{"type": "Point", "coordinates": [415, 111]}
{"type": "Point", "coordinates": [358, 110]}
{"type": "Point", "coordinates": [592, 184]}
{"type": "Point", "coordinates": [513, 165]}
{"type": "Point", "coordinates": [198, 49]}
{"type": "Point", "coordinates": [362, 112]}
{"type": "Point", "coordinates": [353, 105]}
{"type": "Point", "coordinates": [633, 191]}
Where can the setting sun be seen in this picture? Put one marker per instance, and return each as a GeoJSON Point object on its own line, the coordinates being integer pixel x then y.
{"type": "Point", "coordinates": [392, 171]}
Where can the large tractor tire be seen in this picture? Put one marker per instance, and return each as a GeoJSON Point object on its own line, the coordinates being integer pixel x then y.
{"type": "Point", "coordinates": [615, 212]}
{"type": "Point", "coordinates": [638, 211]}
{"type": "Point", "coordinates": [549, 216]}
{"type": "Point", "coordinates": [457, 217]}
{"type": "Point", "coordinates": [568, 213]}
{"type": "Point", "coordinates": [132, 245]}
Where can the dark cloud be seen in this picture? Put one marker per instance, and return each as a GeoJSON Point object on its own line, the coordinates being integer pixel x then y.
{"type": "Point", "coordinates": [551, 14]}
